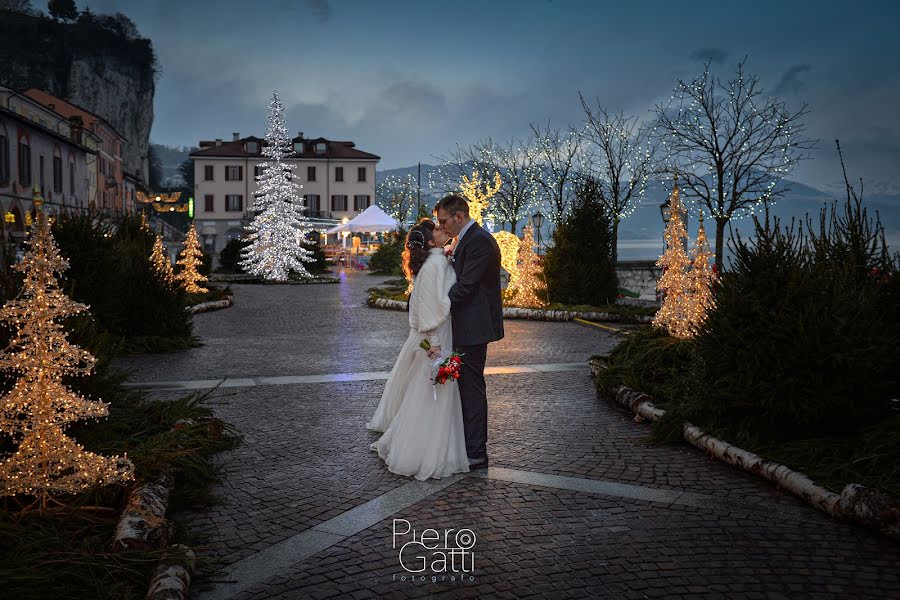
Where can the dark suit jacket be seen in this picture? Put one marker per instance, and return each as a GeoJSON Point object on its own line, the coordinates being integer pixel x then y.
{"type": "Point", "coordinates": [475, 303]}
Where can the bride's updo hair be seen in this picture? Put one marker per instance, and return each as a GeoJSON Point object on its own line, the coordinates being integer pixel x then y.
{"type": "Point", "coordinates": [416, 251]}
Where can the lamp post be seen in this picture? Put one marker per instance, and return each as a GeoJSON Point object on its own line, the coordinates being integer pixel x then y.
{"type": "Point", "coordinates": [665, 210]}
{"type": "Point", "coordinates": [537, 219]}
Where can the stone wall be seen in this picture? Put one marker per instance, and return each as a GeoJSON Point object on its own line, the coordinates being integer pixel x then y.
{"type": "Point", "coordinates": [639, 276]}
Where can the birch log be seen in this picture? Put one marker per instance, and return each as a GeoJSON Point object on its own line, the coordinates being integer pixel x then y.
{"type": "Point", "coordinates": [172, 578]}
{"type": "Point", "coordinates": [857, 503]}
{"type": "Point", "coordinates": [143, 522]}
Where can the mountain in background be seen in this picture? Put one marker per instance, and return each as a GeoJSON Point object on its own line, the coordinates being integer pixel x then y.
{"type": "Point", "coordinates": [169, 159]}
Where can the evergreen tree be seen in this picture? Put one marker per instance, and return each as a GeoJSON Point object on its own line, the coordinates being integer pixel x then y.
{"type": "Point", "coordinates": [527, 280]}
{"type": "Point", "coordinates": [161, 265]}
{"type": "Point", "coordinates": [64, 10]}
{"type": "Point", "coordinates": [675, 313]}
{"type": "Point", "coordinates": [578, 266]}
{"type": "Point", "coordinates": [275, 247]}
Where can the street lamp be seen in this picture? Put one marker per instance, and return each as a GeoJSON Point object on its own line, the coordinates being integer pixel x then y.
{"type": "Point", "coordinates": [665, 210]}
{"type": "Point", "coordinates": [537, 219]}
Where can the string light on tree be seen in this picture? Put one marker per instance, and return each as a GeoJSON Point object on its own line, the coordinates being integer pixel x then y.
{"type": "Point", "coordinates": [274, 250]}
{"type": "Point", "coordinates": [39, 406]}
{"type": "Point", "coordinates": [160, 261]}
{"type": "Point", "coordinates": [189, 260]}
{"type": "Point", "coordinates": [527, 282]}
{"type": "Point", "coordinates": [674, 314]}
{"type": "Point", "coordinates": [702, 278]}
{"type": "Point", "coordinates": [478, 193]}
{"type": "Point", "coordinates": [509, 251]}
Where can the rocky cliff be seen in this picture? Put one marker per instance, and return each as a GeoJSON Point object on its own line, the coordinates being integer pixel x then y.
{"type": "Point", "coordinates": [107, 72]}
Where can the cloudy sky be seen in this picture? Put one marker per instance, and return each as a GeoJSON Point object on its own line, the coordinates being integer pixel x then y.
{"type": "Point", "coordinates": [410, 79]}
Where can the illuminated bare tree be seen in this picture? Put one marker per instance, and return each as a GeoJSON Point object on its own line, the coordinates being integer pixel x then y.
{"type": "Point", "coordinates": [398, 197]}
{"type": "Point", "coordinates": [559, 151]}
{"type": "Point", "coordinates": [620, 157]}
{"type": "Point", "coordinates": [730, 143]}
{"type": "Point", "coordinates": [517, 163]}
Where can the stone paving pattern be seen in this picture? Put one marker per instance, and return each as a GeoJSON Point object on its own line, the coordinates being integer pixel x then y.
{"type": "Point", "coordinates": [306, 459]}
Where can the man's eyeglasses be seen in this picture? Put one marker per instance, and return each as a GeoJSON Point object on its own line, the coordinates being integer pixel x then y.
{"type": "Point", "coordinates": [442, 221]}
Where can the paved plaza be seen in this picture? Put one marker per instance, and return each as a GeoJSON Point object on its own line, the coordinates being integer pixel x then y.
{"type": "Point", "coordinates": [577, 503]}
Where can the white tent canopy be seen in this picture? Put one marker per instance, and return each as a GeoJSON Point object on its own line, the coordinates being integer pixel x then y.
{"type": "Point", "coordinates": [371, 220]}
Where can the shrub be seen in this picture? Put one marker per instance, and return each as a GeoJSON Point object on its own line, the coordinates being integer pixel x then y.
{"type": "Point", "coordinates": [110, 271]}
{"type": "Point", "coordinates": [387, 259]}
{"type": "Point", "coordinates": [230, 256]}
{"type": "Point", "coordinates": [319, 264]}
{"type": "Point", "coordinates": [578, 266]}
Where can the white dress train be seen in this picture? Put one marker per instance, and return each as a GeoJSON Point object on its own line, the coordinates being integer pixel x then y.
{"type": "Point", "coordinates": [422, 422]}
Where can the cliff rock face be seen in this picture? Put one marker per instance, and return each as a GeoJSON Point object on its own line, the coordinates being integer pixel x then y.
{"type": "Point", "coordinates": [100, 71]}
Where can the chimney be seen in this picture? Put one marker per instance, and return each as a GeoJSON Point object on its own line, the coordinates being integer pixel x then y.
{"type": "Point", "coordinates": [235, 136]}
{"type": "Point", "coordinates": [301, 135]}
{"type": "Point", "coordinates": [218, 141]}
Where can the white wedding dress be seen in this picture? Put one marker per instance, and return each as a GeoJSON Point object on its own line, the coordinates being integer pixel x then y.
{"type": "Point", "coordinates": [422, 422]}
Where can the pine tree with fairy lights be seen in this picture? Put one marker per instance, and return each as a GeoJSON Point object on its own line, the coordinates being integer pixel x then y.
{"type": "Point", "coordinates": [675, 313]}
{"type": "Point", "coordinates": [275, 232]}
{"type": "Point", "coordinates": [39, 406]}
{"type": "Point", "coordinates": [161, 264]}
{"type": "Point", "coordinates": [189, 260]}
{"type": "Point", "coordinates": [702, 278]}
{"type": "Point", "coordinates": [527, 280]}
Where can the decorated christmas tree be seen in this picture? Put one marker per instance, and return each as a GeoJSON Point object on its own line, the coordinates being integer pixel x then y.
{"type": "Point", "coordinates": [189, 260]}
{"type": "Point", "coordinates": [39, 406]}
{"type": "Point", "coordinates": [526, 283]}
{"type": "Point", "coordinates": [675, 313]}
{"type": "Point", "coordinates": [161, 264]}
{"type": "Point", "coordinates": [275, 247]}
{"type": "Point", "coordinates": [509, 250]}
{"type": "Point", "coordinates": [478, 193]}
{"type": "Point", "coordinates": [702, 278]}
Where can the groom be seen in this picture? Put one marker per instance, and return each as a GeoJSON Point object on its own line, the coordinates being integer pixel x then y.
{"type": "Point", "coordinates": [476, 312]}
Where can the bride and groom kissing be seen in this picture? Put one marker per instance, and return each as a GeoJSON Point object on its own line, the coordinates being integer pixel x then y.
{"type": "Point", "coordinates": [433, 430]}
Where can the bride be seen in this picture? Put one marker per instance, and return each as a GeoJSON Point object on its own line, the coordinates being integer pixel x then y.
{"type": "Point", "coordinates": [422, 422]}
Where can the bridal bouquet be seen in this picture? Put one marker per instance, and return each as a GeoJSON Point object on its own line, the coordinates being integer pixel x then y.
{"type": "Point", "coordinates": [446, 369]}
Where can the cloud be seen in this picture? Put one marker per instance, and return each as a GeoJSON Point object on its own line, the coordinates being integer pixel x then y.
{"type": "Point", "coordinates": [714, 55]}
{"type": "Point", "coordinates": [791, 82]}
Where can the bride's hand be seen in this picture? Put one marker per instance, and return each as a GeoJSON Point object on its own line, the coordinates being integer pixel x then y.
{"type": "Point", "coordinates": [434, 352]}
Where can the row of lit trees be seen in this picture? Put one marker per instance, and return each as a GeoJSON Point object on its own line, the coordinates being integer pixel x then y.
{"type": "Point", "coordinates": [730, 142]}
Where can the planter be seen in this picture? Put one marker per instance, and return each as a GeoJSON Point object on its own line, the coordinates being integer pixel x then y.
{"type": "Point", "coordinates": [533, 314]}
{"type": "Point", "coordinates": [866, 506]}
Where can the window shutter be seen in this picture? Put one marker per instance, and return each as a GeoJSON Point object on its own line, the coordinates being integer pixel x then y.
{"type": "Point", "coordinates": [241, 173]}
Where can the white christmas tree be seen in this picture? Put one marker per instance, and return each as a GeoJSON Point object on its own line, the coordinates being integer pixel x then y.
{"type": "Point", "coordinates": [275, 249]}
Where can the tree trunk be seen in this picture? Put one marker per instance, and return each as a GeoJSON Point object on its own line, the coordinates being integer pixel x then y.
{"type": "Point", "coordinates": [720, 242]}
{"type": "Point", "coordinates": [615, 241]}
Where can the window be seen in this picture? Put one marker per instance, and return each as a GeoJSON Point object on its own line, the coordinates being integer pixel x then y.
{"type": "Point", "coordinates": [339, 173]}
{"type": "Point", "coordinates": [24, 164]}
{"type": "Point", "coordinates": [361, 174]}
{"type": "Point", "coordinates": [310, 173]}
{"type": "Point", "coordinates": [102, 166]}
{"type": "Point", "coordinates": [298, 147]}
{"type": "Point", "coordinates": [208, 173]}
{"type": "Point", "coordinates": [57, 174]}
{"type": "Point", "coordinates": [234, 202]}
{"type": "Point", "coordinates": [257, 171]}
{"type": "Point", "coordinates": [360, 202]}
{"type": "Point", "coordinates": [72, 177]}
{"type": "Point", "coordinates": [41, 172]}
{"type": "Point", "coordinates": [208, 203]}
{"type": "Point", "coordinates": [4, 158]}
{"type": "Point", "coordinates": [252, 148]}
{"type": "Point", "coordinates": [313, 203]}
{"type": "Point", "coordinates": [320, 148]}
{"type": "Point", "coordinates": [339, 202]}
{"type": "Point", "coordinates": [234, 173]}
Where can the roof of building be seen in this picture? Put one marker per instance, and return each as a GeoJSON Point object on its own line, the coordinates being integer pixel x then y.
{"type": "Point", "coordinates": [235, 149]}
{"type": "Point", "coordinates": [69, 110]}
{"type": "Point", "coordinates": [55, 134]}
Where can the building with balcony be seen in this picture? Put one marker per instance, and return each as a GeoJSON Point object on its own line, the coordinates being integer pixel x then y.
{"type": "Point", "coordinates": [337, 181]}
{"type": "Point", "coordinates": [109, 194]}
{"type": "Point", "coordinates": [40, 147]}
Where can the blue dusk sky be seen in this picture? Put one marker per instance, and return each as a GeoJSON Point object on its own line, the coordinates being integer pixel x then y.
{"type": "Point", "coordinates": [408, 80]}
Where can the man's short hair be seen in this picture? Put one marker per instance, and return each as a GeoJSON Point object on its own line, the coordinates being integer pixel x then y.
{"type": "Point", "coordinates": [453, 204]}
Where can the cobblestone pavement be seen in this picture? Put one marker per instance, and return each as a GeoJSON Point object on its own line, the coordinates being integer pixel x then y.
{"type": "Point", "coordinates": [576, 504]}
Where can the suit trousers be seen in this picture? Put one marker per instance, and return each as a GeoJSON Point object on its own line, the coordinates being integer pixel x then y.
{"type": "Point", "coordinates": [473, 396]}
